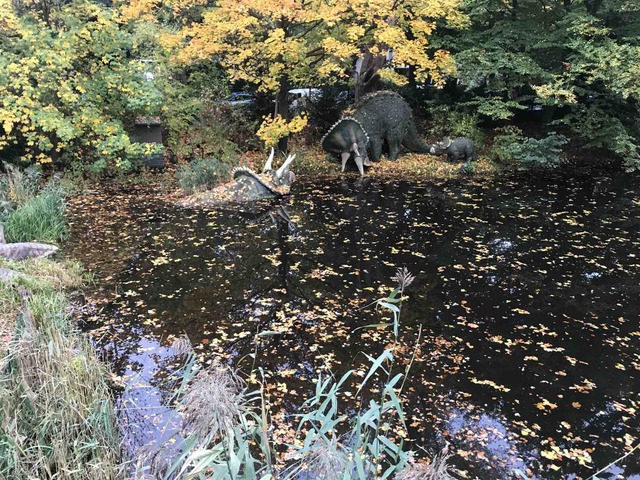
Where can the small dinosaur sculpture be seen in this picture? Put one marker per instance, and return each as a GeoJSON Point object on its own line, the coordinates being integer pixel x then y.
{"type": "Point", "coordinates": [458, 149]}
{"type": "Point", "coordinates": [23, 250]}
{"type": "Point", "coordinates": [377, 118]}
{"type": "Point", "coordinates": [248, 185]}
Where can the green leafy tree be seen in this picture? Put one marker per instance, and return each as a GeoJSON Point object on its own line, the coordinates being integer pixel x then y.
{"type": "Point", "coordinates": [68, 85]}
{"type": "Point", "coordinates": [577, 55]}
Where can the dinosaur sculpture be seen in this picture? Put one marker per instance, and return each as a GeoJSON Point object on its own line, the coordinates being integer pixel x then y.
{"type": "Point", "coordinates": [458, 149]}
{"type": "Point", "coordinates": [377, 118]}
{"type": "Point", "coordinates": [248, 186]}
{"type": "Point", "coordinates": [23, 250]}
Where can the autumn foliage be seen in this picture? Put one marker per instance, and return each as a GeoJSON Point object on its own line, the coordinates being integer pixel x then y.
{"type": "Point", "coordinates": [276, 44]}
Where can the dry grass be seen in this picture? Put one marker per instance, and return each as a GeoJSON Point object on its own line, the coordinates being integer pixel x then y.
{"type": "Point", "coordinates": [9, 308]}
{"type": "Point", "coordinates": [40, 275]}
{"type": "Point", "coordinates": [426, 167]}
{"type": "Point", "coordinates": [56, 416]}
{"type": "Point", "coordinates": [437, 469]}
{"type": "Point", "coordinates": [212, 401]}
{"type": "Point", "coordinates": [326, 460]}
{"type": "Point", "coordinates": [52, 274]}
{"type": "Point", "coordinates": [182, 345]}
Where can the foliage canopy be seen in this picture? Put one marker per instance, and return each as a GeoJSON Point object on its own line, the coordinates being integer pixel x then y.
{"type": "Point", "coordinates": [68, 85]}
{"type": "Point", "coordinates": [578, 58]}
{"type": "Point", "coordinates": [273, 45]}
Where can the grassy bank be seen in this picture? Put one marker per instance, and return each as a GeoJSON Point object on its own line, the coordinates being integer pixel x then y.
{"type": "Point", "coordinates": [56, 412]}
{"type": "Point", "coordinates": [311, 163]}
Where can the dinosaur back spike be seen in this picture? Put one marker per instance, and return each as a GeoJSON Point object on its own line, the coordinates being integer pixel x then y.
{"type": "Point", "coordinates": [241, 171]}
{"type": "Point", "coordinates": [238, 172]}
{"type": "Point", "coordinates": [339, 122]}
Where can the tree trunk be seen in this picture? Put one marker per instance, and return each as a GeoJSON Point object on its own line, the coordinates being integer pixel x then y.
{"type": "Point", "coordinates": [366, 73]}
{"type": "Point", "coordinates": [592, 6]}
{"type": "Point", "coordinates": [282, 109]}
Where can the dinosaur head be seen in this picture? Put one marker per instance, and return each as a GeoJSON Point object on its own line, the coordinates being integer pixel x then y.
{"type": "Point", "coordinates": [270, 183]}
{"type": "Point", "coordinates": [440, 147]}
{"type": "Point", "coordinates": [348, 138]}
{"type": "Point", "coordinates": [282, 177]}
{"type": "Point", "coordinates": [445, 143]}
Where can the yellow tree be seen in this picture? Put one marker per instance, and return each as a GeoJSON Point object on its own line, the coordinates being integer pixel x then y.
{"type": "Point", "coordinates": [274, 44]}
{"type": "Point", "coordinates": [271, 44]}
{"type": "Point", "coordinates": [395, 33]}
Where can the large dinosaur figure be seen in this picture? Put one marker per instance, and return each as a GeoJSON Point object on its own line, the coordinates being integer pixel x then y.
{"type": "Point", "coordinates": [248, 185]}
{"type": "Point", "coordinates": [377, 118]}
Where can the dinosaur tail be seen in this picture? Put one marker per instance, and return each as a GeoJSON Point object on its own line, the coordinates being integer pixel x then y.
{"type": "Point", "coordinates": [413, 142]}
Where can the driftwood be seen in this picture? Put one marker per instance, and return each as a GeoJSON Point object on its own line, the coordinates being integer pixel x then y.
{"type": "Point", "coordinates": [24, 250]}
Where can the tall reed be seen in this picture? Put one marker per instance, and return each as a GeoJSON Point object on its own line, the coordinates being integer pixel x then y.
{"type": "Point", "coordinates": [56, 412]}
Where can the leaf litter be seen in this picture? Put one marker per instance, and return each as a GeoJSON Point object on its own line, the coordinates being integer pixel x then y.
{"type": "Point", "coordinates": [526, 293]}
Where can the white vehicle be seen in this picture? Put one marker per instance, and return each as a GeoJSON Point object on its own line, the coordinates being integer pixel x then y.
{"type": "Point", "coordinates": [307, 93]}
{"type": "Point", "coordinates": [299, 98]}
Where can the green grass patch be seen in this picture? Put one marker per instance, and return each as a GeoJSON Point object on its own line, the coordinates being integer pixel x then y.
{"type": "Point", "coordinates": [30, 210]}
{"type": "Point", "coordinates": [40, 218]}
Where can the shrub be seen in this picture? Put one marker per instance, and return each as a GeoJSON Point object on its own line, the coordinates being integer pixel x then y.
{"type": "Point", "coordinates": [600, 129]}
{"type": "Point", "coordinates": [449, 123]}
{"type": "Point", "coordinates": [76, 102]}
{"type": "Point", "coordinates": [196, 117]}
{"type": "Point", "coordinates": [511, 147]}
{"type": "Point", "coordinates": [202, 174]}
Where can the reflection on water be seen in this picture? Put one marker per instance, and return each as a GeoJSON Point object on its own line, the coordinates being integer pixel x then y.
{"type": "Point", "coordinates": [526, 293]}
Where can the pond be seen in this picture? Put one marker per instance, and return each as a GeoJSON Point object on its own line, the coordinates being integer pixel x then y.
{"type": "Point", "coordinates": [523, 317]}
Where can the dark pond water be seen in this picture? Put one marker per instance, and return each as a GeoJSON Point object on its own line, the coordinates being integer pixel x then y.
{"type": "Point", "coordinates": [527, 295]}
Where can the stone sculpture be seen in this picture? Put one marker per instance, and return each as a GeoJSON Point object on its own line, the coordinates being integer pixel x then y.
{"type": "Point", "coordinates": [377, 118]}
{"type": "Point", "coordinates": [248, 185]}
{"type": "Point", "coordinates": [457, 150]}
{"type": "Point", "coordinates": [24, 250]}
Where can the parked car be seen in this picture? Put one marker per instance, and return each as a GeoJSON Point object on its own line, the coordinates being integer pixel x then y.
{"type": "Point", "coordinates": [239, 99]}
{"type": "Point", "coordinates": [311, 93]}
